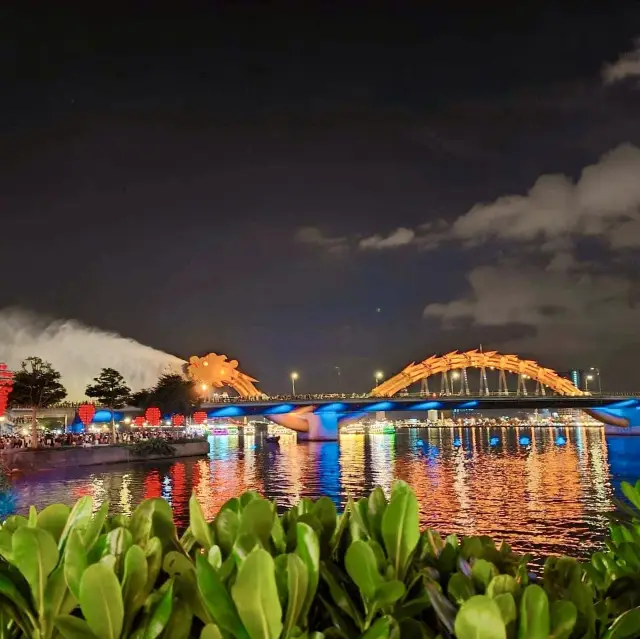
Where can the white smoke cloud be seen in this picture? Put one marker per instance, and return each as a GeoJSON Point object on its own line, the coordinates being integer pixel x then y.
{"type": "Point", "coordinates": [626, 66]}
{"type": "Point", "coordinates": [313, 236]}
{"type": "Point", "coordinates": [79, 352]}
{"type": "Point", "coordinates": [400, 237]}
{"type": "Point", "coordinates": [605, 198]}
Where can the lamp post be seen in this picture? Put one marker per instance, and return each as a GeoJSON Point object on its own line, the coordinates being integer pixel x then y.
{"type": "Point", "coordinates": [294, 376]}
{"type": "Point", "coordinates": [204, 388]}
{"type": "Point", "coordinates": [378, 375]}
{"type": "Point", "coordinates": [587, 379]}
{"type": "Point", "coordinates": [597, 372]}
{"type": "Point", "coordinates": [454, 376]}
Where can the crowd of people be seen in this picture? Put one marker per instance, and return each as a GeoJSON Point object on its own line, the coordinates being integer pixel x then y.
{"type": "Point", "coordinates": [58, 440]}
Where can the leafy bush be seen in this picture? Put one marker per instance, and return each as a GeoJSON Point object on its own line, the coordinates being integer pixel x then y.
{"type": "Point", "coordinates": [153, 447]}
{"type": "Point", "coordinates": [306, 574]}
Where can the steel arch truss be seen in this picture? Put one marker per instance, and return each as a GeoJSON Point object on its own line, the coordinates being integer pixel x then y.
{"type": "Point", "coordinates": [455, 361]}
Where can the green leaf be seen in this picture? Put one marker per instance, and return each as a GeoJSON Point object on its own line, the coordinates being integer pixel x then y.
{"type": "Point", "coordinates": [534, 614]}
{"type": "Point", "coordinates": [358, 526]}
{"type": "Point", "coordinates": [75, 562]}
{"type": "Point", "coordinates": [53, 519]}
{"type": "Point", "coordinates": [101, 601]}
{"type": "Point", "coordinates": [381, 629]}
{"type": "Point", "coordinates": [73, 627]}
{"type": "Point", "coordinates": [153, 518]}
{"type": "Point", "coordinates": [119, 540]}
{"type": "Point", "coordinates": [226, 526]}
{"type": "Point", "coordinates": [134, 581]}
{"type": "Point", "coordinates": [183, 572]}
{"type": "Point", "coordinates": [389, 592]}
{"type": "Point", "coordinates": [375, 511]}
{"type": "Point", "coordinates": [339, 595]}
{"type": "Point", "coordinates": [215, 557]}
{"type": "Point", "coordinates": [460, 588]}
{"type": "Point", "coordinates": [297, 585]}
{"type": "Point", "coordinates": [360, 562]}
{"type": "Point", "coordinates": [94, 526]}
{"type": "Point", "coordinates": [508, 610]}
{"type": "Point", "coordinates": [198, 524]}
{"type": "Point", "coordinates": [160, 615]}
{"type": "Point", "coordinates": [325, 511]}
{"type": "Point", "coordinates": [631, 493]}
{"type": "Point", "coordinates": [57, 599]}
{"type": "Point", "coordinates": [35, 554]}
{"type": "Point", "coordinates": [210, 631]}
{"type": "Point", "coordinates": [308, 549]}
{"type": "Point", "coordinates": [217, 600]}
{"type": "Point", "coordinates": [179, 626]}
{"type": "Point", "coordinates": [9, 591]}
{"type": "Point", "coordinates": [501, 584]}
{"type": "Point", "coordinates": [401, 527]}
{"type": "Point", "coordinates": [482, 572]}
{"type": "Point", "coordinates": [257, 519]}
{"type": "Point", "coordinates": [258, 607]}
{"type": "Point", "coordinates": [480, 618]}
{"type": "Point", "coordinates": [625, 626]}
{"type": "Point", "coordinates": [564, 615]}
{"type": "Point", "coordinates": [247, 497]}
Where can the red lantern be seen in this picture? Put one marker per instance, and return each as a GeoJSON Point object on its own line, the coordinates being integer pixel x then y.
{"type": "Point", "coordinates": [6, 384]}
{"type": "Point", "coordinates": [199, 417]}
{"type": "Point", "coordinates": [153, 415]}
{"type": "Point", "coordinates": [86, 413]}
{"type": "Point", "coordinates": [178, 420]}
{"type": "Point", "coordinates": [139, 421]}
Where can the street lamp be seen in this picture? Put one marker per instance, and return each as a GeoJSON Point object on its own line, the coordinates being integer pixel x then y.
{"type": "Point", "coordinates": [294, 376]}
{"type": "Point", "coordinates": [454, 376]}
{"type": "Point", "coordinates": [597, 372]}
{"type": "Point", "coordinates": [587, 379]}
{"type": "Point", "coordinates": [378, 375]}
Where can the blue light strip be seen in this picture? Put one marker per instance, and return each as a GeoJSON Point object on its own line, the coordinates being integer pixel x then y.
{"type": "Point", "coordinates": [227, 411]}
{"type": "Point", "coordinates": [279, 409]}
{"type": "Point", "coordinates": [378, 406]}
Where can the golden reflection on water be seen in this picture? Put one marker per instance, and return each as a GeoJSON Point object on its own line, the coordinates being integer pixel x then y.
{"type": "Point", "coordinates": [542, 489]}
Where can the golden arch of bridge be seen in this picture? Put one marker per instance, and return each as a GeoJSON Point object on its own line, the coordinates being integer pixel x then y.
{"type": "Point", "coordinates": [217, 372]}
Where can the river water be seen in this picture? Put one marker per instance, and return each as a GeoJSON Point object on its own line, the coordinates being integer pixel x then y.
{"type": "Point", "coordinates": [545, 490]}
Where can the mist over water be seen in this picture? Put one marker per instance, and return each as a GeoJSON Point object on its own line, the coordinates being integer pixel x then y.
{"type": "Point", "coordinates": [79, 351]}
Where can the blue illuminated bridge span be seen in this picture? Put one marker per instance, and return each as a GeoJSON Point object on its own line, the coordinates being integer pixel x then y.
{"type": "Point", "coordinates": [321, 416]}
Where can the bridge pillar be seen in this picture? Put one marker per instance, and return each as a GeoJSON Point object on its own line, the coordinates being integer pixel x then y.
{"type": "Point", "coordinates": [621, 418]}
{"type": "Point", "coordinates": [323, 427]}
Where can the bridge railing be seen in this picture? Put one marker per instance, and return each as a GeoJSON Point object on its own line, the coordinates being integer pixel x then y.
{"type": "Point", "coordinates": [345, 396]}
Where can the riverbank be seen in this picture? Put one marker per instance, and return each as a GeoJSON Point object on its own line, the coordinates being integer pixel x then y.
{"type": "Point", "coordinates": [24, 460]}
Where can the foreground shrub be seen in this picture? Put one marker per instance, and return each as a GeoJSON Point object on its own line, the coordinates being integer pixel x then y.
{"type": "Point", "coordinates": [308, 573]}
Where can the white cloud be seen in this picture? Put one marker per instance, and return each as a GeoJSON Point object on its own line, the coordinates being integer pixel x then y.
{"type": "Point", "coordinates": [313, 236]}
{"type": "Point", "coordinates": [605, 199]}
{"type": "Point", "coordinates": [572, 310]}
{"type": "Point", "coordinates": [400, 237]}
{"type": "Point", "coordinates": [626, 66]}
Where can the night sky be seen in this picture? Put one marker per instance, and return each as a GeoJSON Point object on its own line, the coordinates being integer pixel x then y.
{"type": "Point", "coordinates": [311, 190]}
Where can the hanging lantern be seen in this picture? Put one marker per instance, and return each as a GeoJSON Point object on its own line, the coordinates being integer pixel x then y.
{"type": "Point", "coordinates": [178, 420]}
{"type": "Point", "coordinates": [153, 415]}
{"type": "Point", "coordinates": [199, 417]}
{"type": "Point", "coordinates": [139, 421]}
{"type": "Point", "coordinates": [6, 384]}
{"type": "Point", "coordinates": [86, 413]}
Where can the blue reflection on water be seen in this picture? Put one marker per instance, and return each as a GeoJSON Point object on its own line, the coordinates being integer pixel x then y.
{"type": "Point", "coordinates": [525, 441]}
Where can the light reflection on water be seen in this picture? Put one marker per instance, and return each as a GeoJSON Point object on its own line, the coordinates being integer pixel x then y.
{"type": "Point", "coordinates": [545, 490]}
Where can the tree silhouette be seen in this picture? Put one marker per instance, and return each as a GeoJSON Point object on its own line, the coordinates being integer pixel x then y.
{"type": "Point", "coordinates": [172, 394]}
{"type": "Point", "coordinates": [36, 385]}
{"type": "Point", "coordinates": [110, 390]}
